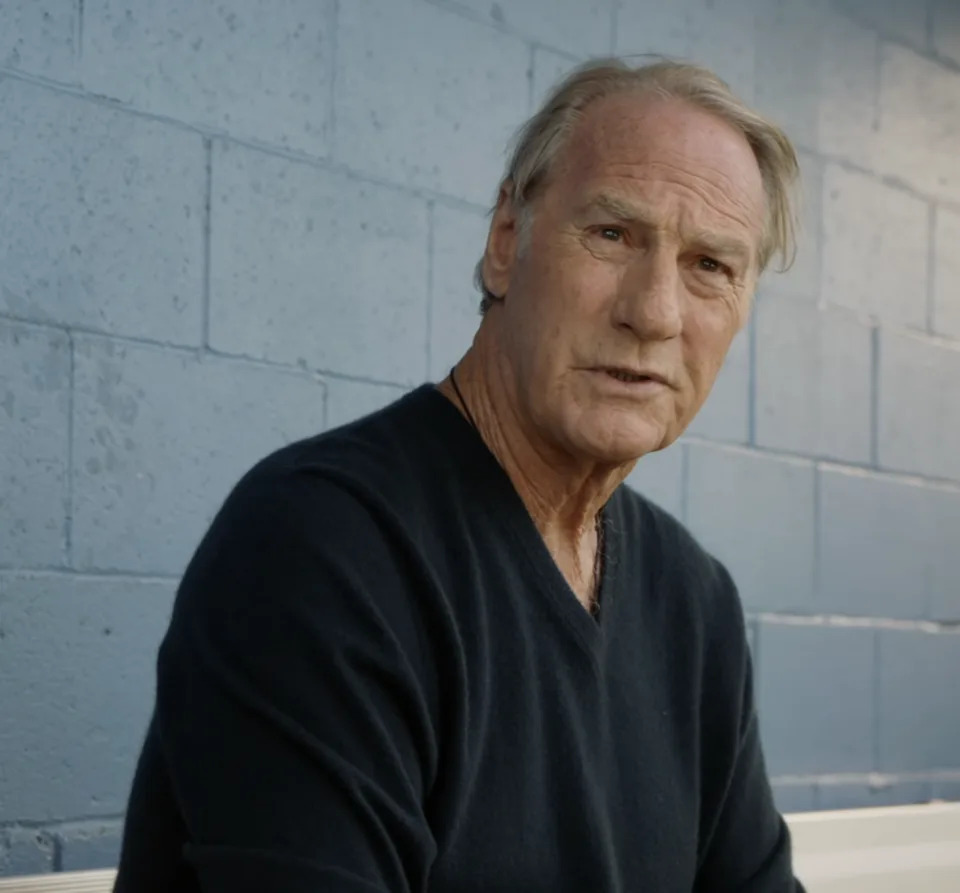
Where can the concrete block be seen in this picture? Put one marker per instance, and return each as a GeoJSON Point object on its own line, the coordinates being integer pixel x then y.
{"type": "Point", "coordinates": [816, 698]}
{"type": "Point", "coordinates": [314, 268]}
{"type": "Point", "coordinates": [257, 69]}
{"type": "Point", "coordinates": [581, 27]}
{"type": "Point", "coordinates": [659, 477]}
{"type": "Point", "coordinates": [161, 437]}
{"type": "Point", "coordinates": [549, 69]}
{"type": "Point", "coordinates": [944, 554]}
{"type": "Point", "coordinates": [103, 217]}
{"type": "Point", "coordinates": [875, 248]}
{"type": "Point", "coordinates": [755, 512]}
{"type": "Point", "coordinates": [874, 545]}
{"type": "Point", "coordinates": [919, 134]}
{"type": "Point", "coordinates": [945, 28]}
{"type": "Point", "coordinates": [87, 846]}
{"type": "Point", "coordinates": [726, 413]}
{"type": "Point", "coordinates": [39, 37]}
{"type": "Point", "coordinates": [848, 91]}
{"type": "Point", "coordinates": [802, 279]}
{"type": "Point", "coordinates": [26, 851]}
{"type": "Point", "coordinates": [393, 53]}
{"type": "Point", "coordinates": [789, 36]}
{"type": "Point", "coordinates": [790, 798]}
{"type": "Point", "coordinates": [653, 28]}
{"type": "Point", "coordinates": [721, 37]}
{"type": "Point", "coordinates": [948, 790]}
{"type": "Point", "coordinates": [76, 681]}
{"type": "Point", "coordinates": [897, 19]}
{"type": "Point", "coordinates": [34, 445]}
{"type": "Point", "coordinates": [459, 239]}
{"type": "Point", "coordinates": [866, 796]}
{"type": "Point", "coordinates": [919, 701]}
{"type": "Point", "coordinates": [813, 380]}
{"type": "Point", "coordinates": [349, 400]}
{"type": "Point", "coordinates": [919, 413]}
{"type": "Point", "coordinates": [946, 272]}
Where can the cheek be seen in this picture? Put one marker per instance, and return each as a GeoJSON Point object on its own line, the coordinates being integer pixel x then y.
{"type": "Point", "coordinates": [563, 301]}
{"type": "Point", "coordinates": [709, 331]}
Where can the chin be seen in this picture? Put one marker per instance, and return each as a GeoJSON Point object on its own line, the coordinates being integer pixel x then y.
{"type": "Point", "coordinates": [620, 440]}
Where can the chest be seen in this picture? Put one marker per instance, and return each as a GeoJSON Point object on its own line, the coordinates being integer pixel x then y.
{"type": "Point", "coordinates": [567, 773]}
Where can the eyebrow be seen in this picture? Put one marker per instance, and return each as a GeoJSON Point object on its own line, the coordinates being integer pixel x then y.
{"type": "Point", "coordinates": [619, 208]}
{"type": "Point", "coordinates": [710, 242]}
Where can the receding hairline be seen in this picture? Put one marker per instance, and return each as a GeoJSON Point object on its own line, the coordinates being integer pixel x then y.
{"type": "Point", "coordinates": [627, 208]}
{"type": "Point", "coordinates": [641, 96]}
{"type": "Point", "coordinates": [541, 139]}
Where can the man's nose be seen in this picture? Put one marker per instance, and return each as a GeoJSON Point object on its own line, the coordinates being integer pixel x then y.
{"type": "Point", "coordinates": [649, 303]}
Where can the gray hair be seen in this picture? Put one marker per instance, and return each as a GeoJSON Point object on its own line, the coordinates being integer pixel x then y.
{"type": "Point", "coordinates": [539, 141]}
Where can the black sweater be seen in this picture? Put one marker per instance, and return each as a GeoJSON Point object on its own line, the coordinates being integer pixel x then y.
{"type": "Point", "coordinates": [377, 679]}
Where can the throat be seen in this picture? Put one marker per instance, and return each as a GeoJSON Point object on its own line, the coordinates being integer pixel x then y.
{"type": "Point", "coordinates": [582, 566]}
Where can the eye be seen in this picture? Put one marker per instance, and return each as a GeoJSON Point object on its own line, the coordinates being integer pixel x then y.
{"type": "Point", "coordinates": [611, 233]}
{"type": "Point", "coordinates": [711, 265]}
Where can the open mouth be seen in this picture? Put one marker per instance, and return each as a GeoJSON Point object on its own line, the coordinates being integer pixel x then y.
{"type": "Point", "coordinates": [629, 377]}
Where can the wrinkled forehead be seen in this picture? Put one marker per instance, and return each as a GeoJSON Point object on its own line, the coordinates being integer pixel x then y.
{"type": "Point", "coordinates": [635, 136]}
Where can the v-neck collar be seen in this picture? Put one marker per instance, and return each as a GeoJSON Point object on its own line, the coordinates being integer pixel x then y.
{"type": "Point", "coordinates": [495, 493]}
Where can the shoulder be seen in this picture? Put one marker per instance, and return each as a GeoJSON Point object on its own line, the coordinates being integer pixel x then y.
{"type": "Point", "coordinates": [356, 475]}
{"type": "Point", "coordinates": [321, 535]}
{"type": "Point", "coordinates": [310, 531]}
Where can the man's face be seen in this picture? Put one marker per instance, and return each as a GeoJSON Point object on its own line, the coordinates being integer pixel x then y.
{"type": "Point", "coordinates": [635, 275]}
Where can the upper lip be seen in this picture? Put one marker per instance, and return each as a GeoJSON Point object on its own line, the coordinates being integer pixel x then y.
{"type": "Point", "coordinates": [652, 374]}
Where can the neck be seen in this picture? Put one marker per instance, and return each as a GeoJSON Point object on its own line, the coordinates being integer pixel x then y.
{"type": "Point", "coordinates": [564, 494]}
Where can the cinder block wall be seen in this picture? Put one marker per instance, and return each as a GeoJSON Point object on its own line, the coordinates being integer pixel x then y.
{"type": "Point", "coordinates": [227, 225]}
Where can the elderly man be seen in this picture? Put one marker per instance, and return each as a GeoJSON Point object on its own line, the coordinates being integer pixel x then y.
{"type": "Point", "coordinates": [442, 648]}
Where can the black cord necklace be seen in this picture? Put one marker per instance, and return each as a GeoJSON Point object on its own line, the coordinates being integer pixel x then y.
{"type": "Point", "coordinates": [598, 556]}
{"type": "Point", "coordinates": [463, 403]}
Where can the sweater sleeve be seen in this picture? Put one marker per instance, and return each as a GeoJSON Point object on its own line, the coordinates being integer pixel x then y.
{"type": "Point", "coordinates": [294, 704]}
{"type": "Point", "coordinates": [747, 848]}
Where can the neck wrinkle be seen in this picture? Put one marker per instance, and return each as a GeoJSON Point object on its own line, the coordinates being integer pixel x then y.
{"type": "Point", "coordinates": [563, 500]}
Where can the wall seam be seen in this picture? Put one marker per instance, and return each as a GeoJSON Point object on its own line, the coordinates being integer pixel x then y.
{"type": "Point", "coordinates": [78, 45]}
{"type": "Point", "coordinates": [886, 35]}
{"type": "Point", "coordinates": [53, 825]}
{"type": "Point", "coordinates": [614, 24]}
{"type": "Point", "coordinates": [931, 268]}
{"type": "Point", "coordinates": [875, 348]}
{"type": "Point", "coordinates": [326, 163]}
{"type": "Point", "coordinates": [875, 779]}
{"type": "Point", "coordinates": [207, 241]}
{"type": "Point", "coordinates": [876, 705]}
{"type": "Point", "coordinates": [476, 18]}
{"type": "Point", "coordinates": [684, 482]}
{"type": "Point", "coordinates": [752, 377]}
{"type": "Point", "coordinates": [199, 352]}
{"type": "Point", "coordinates": [817, 570]}
{"type": "Point", "coordinates": [431, 226]}
{"type": "Point", "coordinates": [858, 621]}
{"type": "Point", "coordinates": [531, 65]}
{"type": "Point", "coordinates": [56, 846]}
{"type": "Point", "coordinates": [334, 63]}
{"type": "Point", "coordinates": [87, 574]}
{"type": "Point", "coordinates": [71, 410]}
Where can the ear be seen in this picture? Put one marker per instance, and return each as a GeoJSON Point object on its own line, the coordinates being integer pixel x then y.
{"type": "Point", "coordinates": [502, 239]}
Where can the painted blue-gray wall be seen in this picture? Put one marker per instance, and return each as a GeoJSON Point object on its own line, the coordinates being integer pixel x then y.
{"type": "Point", "coordinates": [227, 225]}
